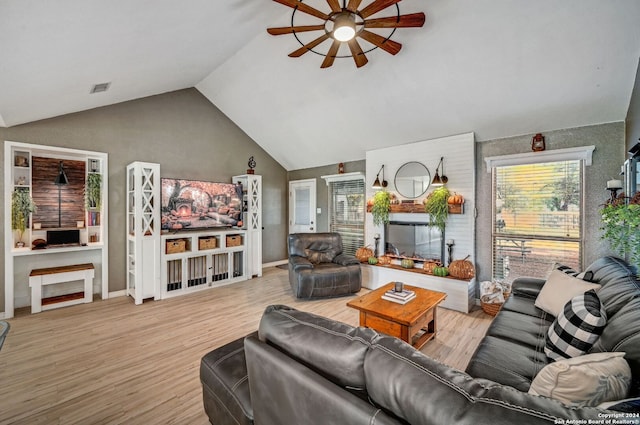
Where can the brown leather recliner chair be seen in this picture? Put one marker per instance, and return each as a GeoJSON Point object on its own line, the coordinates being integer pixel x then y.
{"type": "Point", "coordinates": [319, 269]}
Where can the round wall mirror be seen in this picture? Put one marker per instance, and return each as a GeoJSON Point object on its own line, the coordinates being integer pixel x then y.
{"type": "Point", "coordinates": [412, 180]}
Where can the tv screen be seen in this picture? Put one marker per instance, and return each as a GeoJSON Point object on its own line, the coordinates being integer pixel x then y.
{"type": "Point", "coordinates": [196, 205]}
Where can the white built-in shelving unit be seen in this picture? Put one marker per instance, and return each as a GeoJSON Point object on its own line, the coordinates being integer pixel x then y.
{"type": "Point", "coordinates": [163, 265]}
{"type": "Point", "coordinates": [143, 231]}
{"type": "Point", "coordinates": [252, 216]}
{"type": "Point", "coordinates": [22, 258]}
{"type": "Point", "coordinates": [192, 261]}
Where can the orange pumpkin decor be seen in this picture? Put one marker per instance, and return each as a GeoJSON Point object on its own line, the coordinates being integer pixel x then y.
{"type": "Point", "coordinates": [363, 254]}
{"type": "Point", "coordinates": [455, 199]}
{"type": "Point", "coordinates": [383, 260]}
{"type": "Point", "coordinates": [428, 266]}
{"type": "Point", "coordinates": [462, 269]}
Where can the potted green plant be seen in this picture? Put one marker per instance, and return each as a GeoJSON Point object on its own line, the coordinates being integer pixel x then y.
{"type": "Point", "coordinates": [621, 227]}
{"type": "Point", "coordinates": [436, 206]}
{"type": "Point", "coordinates": [21, 206]}
{"type": "Point", "coordinates": [93, 190]}
{"type": "Point", "coordinates": [380, 207]}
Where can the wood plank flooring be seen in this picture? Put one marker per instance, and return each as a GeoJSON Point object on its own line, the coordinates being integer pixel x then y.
{"type": "Point", "coordinates": [112, 362]}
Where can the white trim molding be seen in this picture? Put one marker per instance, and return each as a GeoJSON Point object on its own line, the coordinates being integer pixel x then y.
{"type": "Point", "coordinates": [583, 153]}
{"type": "Point", "coordinates": [356, 175]}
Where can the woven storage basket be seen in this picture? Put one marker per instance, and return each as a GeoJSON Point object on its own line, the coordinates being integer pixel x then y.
{"type": "Point", "coordinates": [175, 246]}
{"type": "Point", "coordinates": [233, 240]}
{"type": "Point", "coordinates": [493, 308]}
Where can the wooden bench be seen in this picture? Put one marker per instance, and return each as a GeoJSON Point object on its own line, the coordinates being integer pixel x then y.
{"type": "Point", "coordinates": [52, 275]}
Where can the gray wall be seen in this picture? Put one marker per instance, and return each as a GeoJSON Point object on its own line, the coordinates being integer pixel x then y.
{"type": "Point", "coordinates": [322, 195]}
{"type": "Point", "coordinates": [607, 159]}
{"type": "Point", "coordinates": [633, 114]}
{"type": "Point", "coordinates": [183, 132]}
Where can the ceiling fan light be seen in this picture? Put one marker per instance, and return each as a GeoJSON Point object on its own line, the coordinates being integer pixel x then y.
{"type": "Point", "coordinates": [344, 27]}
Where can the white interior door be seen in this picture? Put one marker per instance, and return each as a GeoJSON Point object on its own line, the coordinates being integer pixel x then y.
{"type": "Point", "coordinates": [302, 206]}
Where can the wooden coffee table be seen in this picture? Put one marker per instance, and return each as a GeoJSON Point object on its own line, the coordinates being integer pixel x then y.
{"type": "Point", "coordinates": [413, 322]}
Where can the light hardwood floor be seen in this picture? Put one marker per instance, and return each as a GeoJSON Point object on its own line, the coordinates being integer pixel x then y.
{"type": "Point", "coordinates": [112, 362]}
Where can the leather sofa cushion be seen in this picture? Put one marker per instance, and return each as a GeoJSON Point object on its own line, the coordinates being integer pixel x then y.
{"type": "Point", "coordinates": [421, 390]}
{"type": "Point", "coordinates": [328, 243]}
{"type": "Point", "coordinates": [512, 351]}
{"type": "Point", "coordinates": [333, 349]}
{"type": "Point", "coordinates": [291, 393]}
{"type": "Point", "coordinates": [524, 306]}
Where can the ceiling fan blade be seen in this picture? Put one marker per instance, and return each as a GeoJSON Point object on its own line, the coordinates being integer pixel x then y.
{"type": "Point", "coordinates": [402, 21]}
{"type": "Point", "coordinates": [303, 7]}
{"type": "Point", "coordinates": [289, 30]}
{"type": "Point", "coordinates": [331, 54]}
{"type": "Point", "coordinates": [334, 5]}
{"type": "Point", "coordinates": [304, 49]}
{"type": "Point", "coordinates": [354, 5]}
{"type": "Point", "coordinates": [389, 46]}
{"type": "Point", "coordinates": [375, 7]}
{"type": "Point", "coordinates": [357, 53]}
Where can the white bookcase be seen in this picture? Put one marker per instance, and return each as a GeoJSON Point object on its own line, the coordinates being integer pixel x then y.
{"type": "Point", "coordinates": [252, 211]}
{"type": "Point", "coordinates": [91, 221]}
{"type": "Point", "coordinates": [193, 261]}
{"type": "Point", "coordinates": [143, 231]}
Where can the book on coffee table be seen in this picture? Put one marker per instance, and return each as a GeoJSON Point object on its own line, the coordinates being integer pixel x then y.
{"type": "Point", "coordinates": [398, 300]}
{"type": "Point", "coordinates": [401, 297]}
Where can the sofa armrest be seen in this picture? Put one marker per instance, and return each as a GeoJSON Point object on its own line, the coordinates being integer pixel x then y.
{"type": "Point", "coordinates": [345, 259]}
{"type": "Point", "coordinates": [528, 287]}
{"type": "Point", "coordinates": [299, 263]}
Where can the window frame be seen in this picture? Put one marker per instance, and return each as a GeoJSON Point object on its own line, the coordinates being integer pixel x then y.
{"type": "Point", "coordinates": [581, 154]}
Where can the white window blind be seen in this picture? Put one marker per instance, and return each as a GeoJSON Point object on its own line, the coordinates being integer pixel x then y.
{"type": "Point", "coordinates": [347, 212]}
{"type": "Point", "coordinates": [537, 218]}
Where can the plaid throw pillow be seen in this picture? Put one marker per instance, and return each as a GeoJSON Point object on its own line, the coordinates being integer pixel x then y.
{"type": "Point", "coordinates": [576, 328]}
{"type": "Point", "coordinates": [588, 276]}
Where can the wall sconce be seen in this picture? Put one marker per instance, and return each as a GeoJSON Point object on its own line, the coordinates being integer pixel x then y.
{"type": "Point", "coordinates": [377, 184]}
{"type": "Point", "coordinates": [437, 180]}
{"type": "Point", "coordinates": [614, 186]}
{"type": "Point", "coordinates": [61, 180]}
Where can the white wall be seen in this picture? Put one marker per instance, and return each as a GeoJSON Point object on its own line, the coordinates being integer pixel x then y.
{"type": "Point", "coordinates": [459, 166]}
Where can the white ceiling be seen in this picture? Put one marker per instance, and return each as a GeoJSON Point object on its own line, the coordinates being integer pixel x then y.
{"type": "Point", "coordinates": [495, 67]}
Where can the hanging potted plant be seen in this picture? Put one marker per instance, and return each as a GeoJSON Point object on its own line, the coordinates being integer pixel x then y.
{"type": "Point", "coordinates": [437, 207]}
{"type": "Point", "coordinates": [621, 227]}
{"type": "Point", "coordinates": [21, 206]}
{"type": "Point", "coordinates": [93, 191]}
{"type": "Point", "coordinates": [380, 207]}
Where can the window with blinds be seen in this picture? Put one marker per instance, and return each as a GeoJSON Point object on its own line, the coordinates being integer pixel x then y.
{"type": "Point", "coordinates": [347, 212]}
{"type": "Point", "coordinates": [537, 218]}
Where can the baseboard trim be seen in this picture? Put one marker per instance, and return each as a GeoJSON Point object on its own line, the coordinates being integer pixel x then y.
{"type": "Point", "coordinates": [275, 263]}
{"type": "Point", "coordinates": [122, 293]}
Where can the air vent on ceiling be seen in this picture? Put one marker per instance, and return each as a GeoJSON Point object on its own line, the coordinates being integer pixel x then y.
{"type": "Point", "coordinates": [100, 87]}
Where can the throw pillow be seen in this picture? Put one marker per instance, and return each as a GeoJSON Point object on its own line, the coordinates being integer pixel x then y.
{"type": "Point", "coordinates": [576, 328]}
{"type": "Point", "coordinates": [585, 380]}
{"type": "Point", "coordinates": [559, 289]}
{"type": "Point", "coordinates": [588, 276]}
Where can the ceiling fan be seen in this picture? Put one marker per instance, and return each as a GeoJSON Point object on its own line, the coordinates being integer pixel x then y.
{"type": "Point", "coordinates": [344, 24]}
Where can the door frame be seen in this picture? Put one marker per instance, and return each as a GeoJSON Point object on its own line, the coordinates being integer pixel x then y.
{"type": "Point", "coordinates": [312, 184]}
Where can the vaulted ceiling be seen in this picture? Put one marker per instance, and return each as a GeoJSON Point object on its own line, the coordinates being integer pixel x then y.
{"type": "Point", "coordinates": [495, 67]}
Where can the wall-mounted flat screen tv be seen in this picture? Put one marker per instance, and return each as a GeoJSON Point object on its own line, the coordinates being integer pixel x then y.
{"type": "Point", "coordinates": [197, 205]}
